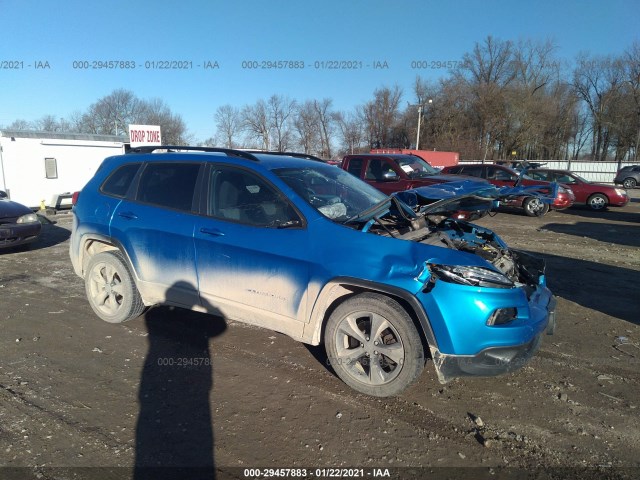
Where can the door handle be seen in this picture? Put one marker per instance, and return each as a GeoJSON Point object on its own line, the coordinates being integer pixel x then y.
{"type": "Point", "coordinates": [128, 215]}
{"type": "Point", "coordinates": [214, 232]}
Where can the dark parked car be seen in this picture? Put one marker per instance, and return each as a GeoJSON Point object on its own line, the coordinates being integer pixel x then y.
{"type": "Point", "coordinates": [596, 196]}
{"type": "Point", "coordinates": [628, 177]}
{"type": "Point", "coordinates": [520, 165]}
{"type": "Point", "coordinates": [501, 176]}
{"type": "Point", "coordinates": [309, 250]}
{"type": "Point", "coordinates": [18, 224]}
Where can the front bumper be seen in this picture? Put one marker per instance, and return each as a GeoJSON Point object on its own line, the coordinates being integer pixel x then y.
{"type": "Point", "coordinates": [14, 234]}
{"type": "Point", "coordinates": [494, 360]}
{"type": "Point", "coordinates": [619, 201]}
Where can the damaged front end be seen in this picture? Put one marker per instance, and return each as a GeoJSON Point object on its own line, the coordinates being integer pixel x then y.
{"type": "Point", "coordinates": [487, 307]}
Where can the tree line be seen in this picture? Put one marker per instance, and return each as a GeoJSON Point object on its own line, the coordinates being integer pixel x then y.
{"type": "Point", "coordinates": [504, 100]}
{"type": "Point", "coordinates": [112, 115]}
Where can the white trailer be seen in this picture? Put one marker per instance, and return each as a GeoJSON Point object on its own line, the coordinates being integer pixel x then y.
{"type": "Point", "coordinates": [45, 168]}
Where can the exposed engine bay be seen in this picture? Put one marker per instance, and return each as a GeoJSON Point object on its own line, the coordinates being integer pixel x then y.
{"type": "Point", "coordinates": [417, 224]}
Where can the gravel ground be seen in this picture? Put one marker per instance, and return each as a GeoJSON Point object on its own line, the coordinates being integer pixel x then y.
{"type": "Point", "coordinates": [80, 398]}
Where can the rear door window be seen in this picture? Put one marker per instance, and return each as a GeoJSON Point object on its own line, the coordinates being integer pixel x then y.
{"type": "Point", "coordinates": [355, 166]}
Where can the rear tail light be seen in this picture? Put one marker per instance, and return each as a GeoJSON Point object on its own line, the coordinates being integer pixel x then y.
{"type": "Point", "coordinates": [74, 198]}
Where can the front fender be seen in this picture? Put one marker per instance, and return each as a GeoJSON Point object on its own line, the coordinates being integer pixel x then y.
{"type": "Point", "coordinates": [339, 287]}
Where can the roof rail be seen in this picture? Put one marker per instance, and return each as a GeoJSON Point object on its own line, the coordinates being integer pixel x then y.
{"type": "Point", "coordinates": [306, 156]}
{"type": "Point", "coordinates": [174, 148]}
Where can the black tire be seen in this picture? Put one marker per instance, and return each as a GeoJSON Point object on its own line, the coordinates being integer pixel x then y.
{"type": "Point", "coordinates": [533, 207]}
{"type": "Point", "coordinates": [110, 288]}
{"type": "Point", "coordinates": [382, 364]}
{"type": "Point", "coordinates": [597, 202]}
{"type": "Point", "coordinates": [629, 183]}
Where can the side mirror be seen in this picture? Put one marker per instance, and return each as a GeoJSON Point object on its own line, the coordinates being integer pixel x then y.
{"type": "Point", "coordinates": [390, 176]}
{"type": "Point", "coordinates": [3, 194]}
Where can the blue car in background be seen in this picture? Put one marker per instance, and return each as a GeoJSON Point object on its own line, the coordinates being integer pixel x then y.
{"type": "Point", "coordinates": [304, 248]}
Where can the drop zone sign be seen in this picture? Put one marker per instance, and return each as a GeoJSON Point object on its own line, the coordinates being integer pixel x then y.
{"type": "Point", "coordinates": [141, 135]}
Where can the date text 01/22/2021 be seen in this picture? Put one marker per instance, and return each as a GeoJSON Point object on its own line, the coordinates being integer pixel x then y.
{"type": "Point", "coordinates": [260, 473]}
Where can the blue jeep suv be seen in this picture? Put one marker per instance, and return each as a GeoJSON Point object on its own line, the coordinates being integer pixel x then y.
{"type": "Point", "coordinates": [298, 246]}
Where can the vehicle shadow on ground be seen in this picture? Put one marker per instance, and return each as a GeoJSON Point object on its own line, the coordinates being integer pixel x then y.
{"type": "Point", "coordinates": [609, 215]}
{"type": "Point", "coordinates": [603, 232]}
{"type": "Point", "coordinates": [174, 433]}
{"type": "Point", "coordinates": [597, 286]}
{"type": "Point", "coordinates": [51, 235]}
{"type": "Point", "coordinates": [320, 355]}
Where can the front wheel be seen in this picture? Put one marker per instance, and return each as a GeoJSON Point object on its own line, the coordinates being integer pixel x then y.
{"type": "Point", "coordinates": [597, 202]}
{"type": "Point", "coordinates": [629, 183]}
{"type": "Point", "coordinates": [110, 288]}
{"type": "Point", "coordinates": [534, 207]}
{"type": "Point", "coordinates": [373, 345]}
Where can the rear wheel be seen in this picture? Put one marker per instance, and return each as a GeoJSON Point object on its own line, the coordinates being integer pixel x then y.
{"type": "Point", "coordinates": [373, 345]}
{"type": "Point", "coordinates": [597, 201]}
{"type": "Point", "coordinates": [534, 207]}
{"type": "Point", "coordinates": [111, 290]}
{"type": "Point", "coordinates": [629, 183]}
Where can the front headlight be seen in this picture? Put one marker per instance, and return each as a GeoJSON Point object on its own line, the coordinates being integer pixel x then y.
{"type": "Point", "coordinates": [28, 218]}
{"type": "Point", "coordinates": [621, 191]}
{"type": "Point", "coordinates": [472, 276]}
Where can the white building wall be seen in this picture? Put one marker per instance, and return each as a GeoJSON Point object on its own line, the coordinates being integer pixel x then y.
{"type": "Point", "coordinates": [23, 174]}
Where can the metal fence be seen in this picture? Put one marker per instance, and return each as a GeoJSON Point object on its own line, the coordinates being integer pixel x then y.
{"type": "Point", "coordinates": [601, 172]}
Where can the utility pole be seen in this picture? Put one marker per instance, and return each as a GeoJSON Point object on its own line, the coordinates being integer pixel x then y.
{"type": "Point", "coordinates": [420, 107]}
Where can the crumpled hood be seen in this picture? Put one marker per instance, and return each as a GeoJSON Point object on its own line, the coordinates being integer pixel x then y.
{"type": "Point", "coordinates": [470, 195]}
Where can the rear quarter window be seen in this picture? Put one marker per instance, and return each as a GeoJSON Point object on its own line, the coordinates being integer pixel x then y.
{"type": "Point", "coordinates": [538, 175]}
{"type": "Point", "coordinates": [170, 185]}
{"type": "Point", "coordinates": [118, 183]}
{"type": "Point", "coordinates": [472, 171]}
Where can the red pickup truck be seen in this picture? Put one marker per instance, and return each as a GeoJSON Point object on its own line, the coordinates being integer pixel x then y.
{"type": "Point", "coordinates": [391, 173]}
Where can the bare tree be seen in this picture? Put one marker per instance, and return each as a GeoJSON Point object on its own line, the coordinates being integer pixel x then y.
{"type": "Point", "coordinates": [48, 123]}
{"type": "Point", "coordinates": [381, 114]}
{"type": "Point", "coordinates": [351, 130]}
{"type": "Point", "coordinates": [228, 125]}
{"type": "Point", "coordinates": [20, 124]}
{"type": "Point", "coordinates": [597, 81]}
{"type": "Point", "coordinates": [173, 128]}
{"type": "Point", "coordinates": [307, 127]}
{"type": "Point", "coordinates": [631, 59]}
{"type": "Point", "coordinates": [490, 63]}
{"type": "Point", "coordinates": [111, 115]}
{"type": "Point", "coordinates": [255, 121]}
{"type": "Point", "coordinates": [487, 71]}
{"type": "Point", "coordinates": [280, 110]}
{"type": "Point", "coordinates": [325, 121]}
{"type": "Point", "coordinates": [75, 122]}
